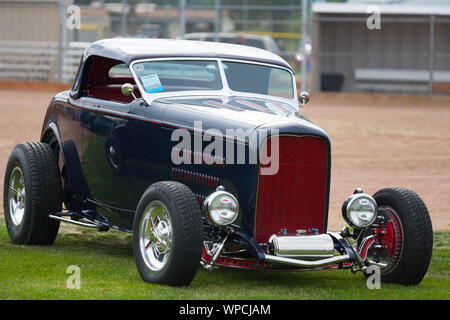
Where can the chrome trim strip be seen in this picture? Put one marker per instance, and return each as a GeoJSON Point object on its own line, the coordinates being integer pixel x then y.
{"type": "Point", "coordinates": [78, 223]}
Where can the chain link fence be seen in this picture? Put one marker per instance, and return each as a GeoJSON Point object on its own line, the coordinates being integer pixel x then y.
{"type": "Point", "coordinates": [407, 54]}
{"type": "Point", "coordinates": [43, 40]}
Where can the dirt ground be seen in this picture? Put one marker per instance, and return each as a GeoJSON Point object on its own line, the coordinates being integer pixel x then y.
{"type": "Point", "coordinates": [377, 141]}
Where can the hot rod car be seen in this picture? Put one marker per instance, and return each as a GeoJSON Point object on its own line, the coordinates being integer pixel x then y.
{"type": "Point", "coordinates": [200, 151]}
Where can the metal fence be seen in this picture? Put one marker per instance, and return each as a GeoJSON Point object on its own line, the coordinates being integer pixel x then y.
{"type": "Point", "coordinates": [408, 54]}
{"type": "Point", "coordinates": [39, 60]}
{"type": "Point", "coordinates": [42, 40]}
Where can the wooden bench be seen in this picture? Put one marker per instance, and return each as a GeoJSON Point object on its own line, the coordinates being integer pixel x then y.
{"type": "Point", "coordinates": [398, 80]}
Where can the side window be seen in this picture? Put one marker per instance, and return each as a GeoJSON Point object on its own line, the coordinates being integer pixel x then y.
{"type": "Point", "coordinates": [120, 70]}
{"type": "Point", "coordinates": [105, 79]}
{"type": "Point", "coordinates": [76, 82]}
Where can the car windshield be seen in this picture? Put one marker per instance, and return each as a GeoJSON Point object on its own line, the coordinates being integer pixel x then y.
{"type": "Point", "coordinates": [178, 75]}
{"type": "Point", "coordinates": [253, 78]}
{"type": "Point", "coordinates": [188, 75]}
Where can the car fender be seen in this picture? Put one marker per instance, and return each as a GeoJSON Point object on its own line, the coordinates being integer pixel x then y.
{"type": "Point", "coordinates": [52, 129]}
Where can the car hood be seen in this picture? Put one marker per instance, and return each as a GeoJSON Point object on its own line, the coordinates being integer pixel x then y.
{"type": "Point", "coordinates": [233, 113]}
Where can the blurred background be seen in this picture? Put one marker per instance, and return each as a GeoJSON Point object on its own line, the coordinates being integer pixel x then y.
{"type": "Point", "coordinates": [339, 46]}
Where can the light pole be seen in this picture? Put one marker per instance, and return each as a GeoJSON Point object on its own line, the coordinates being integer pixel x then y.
{"type": "Point", "coordinates": [304, 70]}
{"type": "Point", "coordinates": [182, 17]}
{"type": "Point", "coordinates": [123, 28]}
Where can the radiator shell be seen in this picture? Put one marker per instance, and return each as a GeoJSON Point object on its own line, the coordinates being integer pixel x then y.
{"type": "Point", "coordinates": [296, 197]}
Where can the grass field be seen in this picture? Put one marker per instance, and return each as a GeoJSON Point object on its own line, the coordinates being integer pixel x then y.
{"type": "Point", "coordinates": [108, 272]}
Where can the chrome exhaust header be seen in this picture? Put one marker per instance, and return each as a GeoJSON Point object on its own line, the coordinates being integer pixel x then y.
{"type": "Point", "coordinates": [310, 251]}
{"type": "Point", "coordinates": [307, 247]}
{"type": "Point", "coordinates": [303, 251]}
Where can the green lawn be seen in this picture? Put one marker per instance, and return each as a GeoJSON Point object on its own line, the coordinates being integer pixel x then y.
{"type": "Point", "coordinates": [108, 272]}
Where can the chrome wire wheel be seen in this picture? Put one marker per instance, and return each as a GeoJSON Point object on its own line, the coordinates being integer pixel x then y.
{"type": "Point", "coordinates": [16, 196]}
{"type": "Point", "coordinates": [155, 236]}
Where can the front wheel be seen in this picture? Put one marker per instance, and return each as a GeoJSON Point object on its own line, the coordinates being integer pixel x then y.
{"type": "Point", "coordinates": [405, 237]}
{"type": "Point", "coordinates": [168, 234]}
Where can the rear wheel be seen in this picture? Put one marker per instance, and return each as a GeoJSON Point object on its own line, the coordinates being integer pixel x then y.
{"type": "Point", "coordinates": [32, 191]}
{"type": "Point", "coordinates": [168, 234]}
{"type": "Point", "coordinates": [404, 238]}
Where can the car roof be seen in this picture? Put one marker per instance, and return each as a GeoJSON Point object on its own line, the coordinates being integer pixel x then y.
{"type": "Point", "coordinates": [130, 49]}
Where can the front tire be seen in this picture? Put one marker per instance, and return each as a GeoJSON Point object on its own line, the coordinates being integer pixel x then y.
{"type": "Point", "coordinates": [32, 191]}
{"type": "Point", "coordinates": [409, 236]}
{"type": "Point", "coordinates": [168, 234]}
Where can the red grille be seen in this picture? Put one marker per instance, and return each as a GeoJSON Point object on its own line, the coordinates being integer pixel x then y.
{"type": "Point", "coordinates": [295, 197]}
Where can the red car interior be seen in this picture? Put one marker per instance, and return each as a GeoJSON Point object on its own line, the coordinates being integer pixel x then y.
{"type": "Point", "coordinates": [101, 85]}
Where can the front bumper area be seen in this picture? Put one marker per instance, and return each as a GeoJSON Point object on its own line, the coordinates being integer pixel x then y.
{"type": "Point", "coordinates": [346, 256]}
{"type": "Point", "coordinates": [307, 264]}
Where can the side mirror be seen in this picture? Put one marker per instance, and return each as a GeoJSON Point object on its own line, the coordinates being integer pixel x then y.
{"type": "Point", "coordinates": [303, 98]}
{"type": "Point", "coordinates": [127, 90]}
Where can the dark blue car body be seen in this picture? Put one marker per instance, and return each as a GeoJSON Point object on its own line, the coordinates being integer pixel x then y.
{"type": "Point", "coordinates": [141, 138]}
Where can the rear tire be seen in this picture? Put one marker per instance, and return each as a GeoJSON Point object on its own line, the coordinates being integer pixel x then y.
{"type": "Point", "coordinates": [32, 191]}
{"type": "Point", "coordinates": [168, 234]}
{"type": "Point", "coordinates": [412, 235]}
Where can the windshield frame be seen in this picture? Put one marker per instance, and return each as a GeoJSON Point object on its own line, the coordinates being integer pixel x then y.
{"type": "Point", "coordinates": [224, 92]}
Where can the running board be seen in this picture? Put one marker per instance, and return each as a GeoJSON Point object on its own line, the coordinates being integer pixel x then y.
{"type": "Point", "coordinates": [100, 227]}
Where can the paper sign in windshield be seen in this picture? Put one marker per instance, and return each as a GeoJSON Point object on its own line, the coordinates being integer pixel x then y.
{"type": "Point", "coordinates": [151, 83]}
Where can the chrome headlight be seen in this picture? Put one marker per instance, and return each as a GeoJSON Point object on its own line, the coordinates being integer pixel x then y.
{"type": "Point", "coordinates": [221, 208]}
{"type": "Point", "coordinates": [360, 210]}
